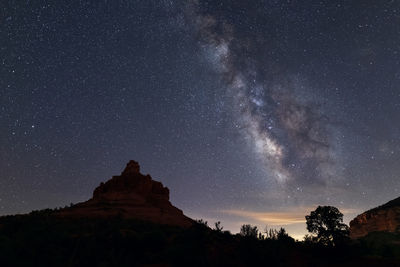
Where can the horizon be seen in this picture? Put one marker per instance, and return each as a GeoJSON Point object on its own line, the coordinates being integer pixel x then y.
{"type": "Point", "coordinates": [293, 222]}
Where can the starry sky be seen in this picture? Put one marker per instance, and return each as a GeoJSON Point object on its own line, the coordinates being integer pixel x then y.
{"type": "Point", "coordinates": [249, 111]}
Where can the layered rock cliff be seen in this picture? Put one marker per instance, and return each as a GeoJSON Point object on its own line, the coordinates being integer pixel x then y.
{"type": "Point", "coordinates": [130, 195]}
{"type": "Point", "coordinates": [383, 218]}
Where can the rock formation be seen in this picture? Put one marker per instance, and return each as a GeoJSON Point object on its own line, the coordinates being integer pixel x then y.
{"type": "Point", "coordinates": [130, 195]}
{"type": "Point", "coordinates": [382, 218]}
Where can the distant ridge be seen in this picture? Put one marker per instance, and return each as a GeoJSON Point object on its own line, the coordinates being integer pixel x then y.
{"type": "Point", "coordinates": [130, 195]}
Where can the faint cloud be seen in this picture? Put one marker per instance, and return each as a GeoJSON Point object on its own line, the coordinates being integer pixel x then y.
{"type": "Point", "coordinates": [271, 218]}
{"type": "Point", "coordinates": [287, 217]}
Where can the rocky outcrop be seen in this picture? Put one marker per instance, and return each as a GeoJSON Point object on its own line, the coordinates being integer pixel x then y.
{"type": "Point", "coordinates": [130, 195]}
{"type": "Point", "coordinates": [383, 218]}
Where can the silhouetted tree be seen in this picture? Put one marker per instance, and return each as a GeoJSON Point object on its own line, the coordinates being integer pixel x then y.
{"type": "Point", "coordinates": [274, 234]}
{"type": "Point", "coordinates": [260, 236]}
{"type": "Point", "coordinates": [218, 227]}
{"type": "Point", "coordinates": [271, 234]}
{"type": "Point", "coordinates": [202, 222]}
{"type": "Point", "coordinates": [248, 230]}
{"type": "Point", "coordinates": [327, 223]}
{"type": "Point", "coordinates": [284, 236]}
{"type": "Point", "coordinates": [309, 239]}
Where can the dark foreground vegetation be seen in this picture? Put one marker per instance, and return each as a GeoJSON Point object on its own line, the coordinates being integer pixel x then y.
{"type": "Point", "coordinates": [42, 239]}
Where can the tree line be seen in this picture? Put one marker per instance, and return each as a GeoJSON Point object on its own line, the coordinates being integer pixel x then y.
{"type": "Point", "coordinates": [325, 225]}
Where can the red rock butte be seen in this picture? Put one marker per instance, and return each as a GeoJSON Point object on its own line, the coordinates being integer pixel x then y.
{"type": "Point", "coordinates": [130, 195]}
{"type": "Point", "coordinates": [385, 218]}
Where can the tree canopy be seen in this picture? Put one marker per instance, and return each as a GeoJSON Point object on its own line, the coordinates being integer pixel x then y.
{"type": "Point", "coordinates": [249, 230]}
{"type": "Point", "coordinates": [327, 223]}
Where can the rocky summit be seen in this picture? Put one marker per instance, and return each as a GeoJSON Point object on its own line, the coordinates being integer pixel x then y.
{"type": "Point", "coordinates": [385, 218]}
{"type": "Point", "coordinates": [130, 195]}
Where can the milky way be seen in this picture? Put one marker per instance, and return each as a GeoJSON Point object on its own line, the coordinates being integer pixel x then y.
{"type": "Point", "coordinates": [289, 133]}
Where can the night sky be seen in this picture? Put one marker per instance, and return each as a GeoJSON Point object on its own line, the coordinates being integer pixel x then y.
{"type": "Point", "coordinates": [249, 111]}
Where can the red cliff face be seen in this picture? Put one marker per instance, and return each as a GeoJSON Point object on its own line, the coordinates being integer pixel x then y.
{"type": "Point", "coordinates": [131, 195]}
{"type": "Point", "coordinates": [383, 218]}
